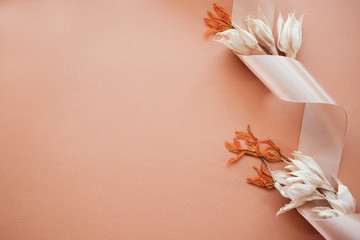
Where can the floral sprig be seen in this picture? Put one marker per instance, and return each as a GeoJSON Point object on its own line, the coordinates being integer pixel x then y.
{"type": "Point", "coordinates": [302, 180]}
{"type": "Point", "coordinates": [254, 147]}
{"type": "Point", "coordinates": [264, 178]}
{"type": "Point", "coordinates": [261, 30]}
{"type": "Point", "coordinates": [218, 24]}
{"type": "Point", "coordinates": [289, 34]}
{"type": "Point", "coordinates": [270, 153]}
{"type": "Point", "coordinates": [258, 39]}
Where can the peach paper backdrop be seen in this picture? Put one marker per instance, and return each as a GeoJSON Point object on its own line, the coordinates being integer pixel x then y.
{"type": "Point", "coordinates": [114, 113]}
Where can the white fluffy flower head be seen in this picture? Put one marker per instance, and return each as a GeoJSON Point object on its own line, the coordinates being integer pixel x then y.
{"type": "Point", "coordinates": [304, 181]}
{"type": "Point", "coordinates": [240, 41]}
{"type": "Point", "coordinates": [289, 34]}
{"type": "Point", "coordinates": [261, 30]}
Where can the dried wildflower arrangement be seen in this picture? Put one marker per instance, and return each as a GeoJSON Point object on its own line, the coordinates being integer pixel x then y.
{"type": "Point", "coordinates": [302, 180]}
{"type": "Point", "coordinates": [259, 38]}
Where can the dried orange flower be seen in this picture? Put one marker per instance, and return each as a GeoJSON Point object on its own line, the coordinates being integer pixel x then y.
{"type": "Point", "coordinates": [263, 179]}
{"type": "Point", "coordinates": [220, 23]}
{"type": "Point", "coordinates": [270, 153]}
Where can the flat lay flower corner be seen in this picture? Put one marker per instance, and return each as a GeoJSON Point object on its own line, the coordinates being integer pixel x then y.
{"type": "Point", "coordinates": [302, 180]}
{"type": "Point", "coordinates": [258, 39]}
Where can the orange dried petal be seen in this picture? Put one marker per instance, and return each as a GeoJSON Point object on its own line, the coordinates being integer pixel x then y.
{"type": "Point", "coordinates": [237, 143]}
{"type": "Point", "coordinates": [250, 133]}
{"type": "Point", "coordinates": [272, 145]}
{"type": "Point", "coordinates": [256, 180]}
{"type": "Point", "coordinates": [210, 22]}
{"type": "Point", "coordinates": [271, 157]}
{"type": "Point", "coordinates": [263, 170]}
{"type": "Point", "coordinates": [244, 136]}
{"type": "Point", "coordinates": [221, 12]}
{"type": "Point", "coordinates": [238, 157]}
{"type": "Point", "coordinates": [232, 147]}
{"type": "Point", "coordinates": [269, 185]}
{"type": "Point", "coordinates": [260, 182]}
{"type": "Point", "coordinates": [251, 153]}
{"type": "Point", "coordinates": [218, 23]}
{"type": "Point", "coordinates": [263, 179]}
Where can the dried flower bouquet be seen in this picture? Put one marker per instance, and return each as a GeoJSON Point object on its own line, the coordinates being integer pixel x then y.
{"type": "Point", "coordinates": [302, 180]}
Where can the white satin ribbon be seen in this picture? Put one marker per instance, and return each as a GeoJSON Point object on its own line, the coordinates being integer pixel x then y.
{"type": "Point", "coordinates": [324, 121]}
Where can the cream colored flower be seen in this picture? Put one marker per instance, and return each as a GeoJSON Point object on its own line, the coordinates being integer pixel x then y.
{"type": "Point", "coordinates": [307, 170]}
{"type": "Point", "coordinates": [304, 181]}
{"type": "Point", "coordinates": [342, 203]}
{"type": "Point", "coordinates": [289, 34]}
{"type": "Point", "coordinates": [261, 30]}
{"type": "Point", "coordinates": [240, 41]}
{"type": "Point", "coordinates": [299, 193]}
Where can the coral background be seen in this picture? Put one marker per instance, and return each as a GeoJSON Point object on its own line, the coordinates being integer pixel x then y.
{"type": "Point", "coordinates": [114, 114]}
